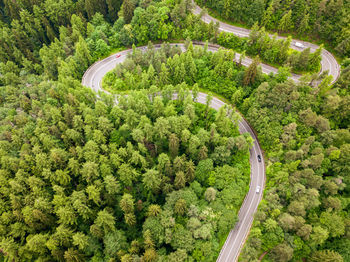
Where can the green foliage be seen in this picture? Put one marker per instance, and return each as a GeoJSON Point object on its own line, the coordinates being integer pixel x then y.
{"type": "Point", "coordinates": [272, 50]}
{"type": "Point", "coordinates": [216, 72]}
{"type": "Point", "coordinates": [326, 255]}
{"type": "Point", "coordinates": [82, 177]}
{"type": "Point", "coordinates": [27, 26]}
{"type": "Point", "coordinates": [307, 182]}
{"type": "Point", "coordinates": [328, 21]}
{"type": "Point", "coordinates": [63, 170]}
{"type": "Point", "coordinates": [47, 36]}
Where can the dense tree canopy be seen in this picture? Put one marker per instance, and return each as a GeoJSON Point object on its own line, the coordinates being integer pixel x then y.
{"type": "Point", "coordinates": [307, 141]}
{"type": "Point", "coordinates": [81, 178]}
{"type": "Point", "coordinates": [328, 20]}
{"type": "Point", "coordinates": [55, 27]}
{"type": "Point", "coordinates": [214, 71]}
{"type": "Point", "coordinates": [61, 179]}
{"type": "Point", "coordinates": [272, 50]}
{"type": "Point", "coordinates": [84, 179]}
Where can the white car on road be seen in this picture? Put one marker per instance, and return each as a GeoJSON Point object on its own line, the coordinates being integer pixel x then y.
{"type": "Point", "coordinates": [257, 189]}
{"type": "Point", "coordinates": [298, 44]}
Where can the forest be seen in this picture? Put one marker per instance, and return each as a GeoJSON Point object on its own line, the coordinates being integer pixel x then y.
{"type": "Point", "coordinates": [313, 20]}
{"type": "Point", "coordinates": [273, 51]}
{"type": "Point", "coordinates": [156, 179]}
{"type": "Point", "coordinates": [34, 37]}
{"type": "Point", "coordinates": [197, 67]}
{"type": "Point", "coordinates": [82, 178]}
{"type": "Point", "coordinates": [304, 130]}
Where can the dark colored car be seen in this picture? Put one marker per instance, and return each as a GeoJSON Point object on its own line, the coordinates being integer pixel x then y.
{"type": "Point", "coordinates": [259, 158]}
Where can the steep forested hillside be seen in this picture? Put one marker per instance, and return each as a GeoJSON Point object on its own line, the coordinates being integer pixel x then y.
{"type": "Point", "coordinates": [27, 25]}
{"type": "Point", "coordinates": [304, 130]}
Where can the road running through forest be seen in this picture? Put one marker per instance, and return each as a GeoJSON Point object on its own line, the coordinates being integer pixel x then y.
{"type": "Point", "coordinates": [231, 248]}
{"type": "Point", "coordinates": [230, 251]}
{"type": "Point", "coordinates": [328, 61]}
{"type": "Point", "coordinates": [237, 236]}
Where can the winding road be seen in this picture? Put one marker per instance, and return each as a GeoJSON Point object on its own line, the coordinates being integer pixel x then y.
{"type": "Point", "coordinates": [237, 236]}
{"type": "Point", "coordinates": [328, 61]}
{"type": "Point", "coordinates": [93, 79]}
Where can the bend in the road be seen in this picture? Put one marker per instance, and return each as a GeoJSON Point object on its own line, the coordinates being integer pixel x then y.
{"type": "Point", "coordinates": [93, 77]}
{"type": "Point", "coordinates": [328, 61]}
{"type": "Point", "coordinates": [94, 72]}
{"type": "Point", "coordinates": [236, 238]}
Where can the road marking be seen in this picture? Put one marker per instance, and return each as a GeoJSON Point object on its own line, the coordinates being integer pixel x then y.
{"type": "Point", "coordinates": [214, 103]}
{"type": "Point", "coordinates": [113, 60]}
{"type": "Point", "coordinates": [240, 32]}
{"type": "Point", "coordinates": [97, 67]}
{"type": "Point", "coordinates": [250, 205]}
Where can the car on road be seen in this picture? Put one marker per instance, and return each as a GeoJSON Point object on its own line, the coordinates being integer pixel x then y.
{"type": "Point", "coordinates": [118, 55]}
{"type": "Point", "coordinates": [258, 189]}
{"type": "Point", "coordinates": [298, 44]}
{"type": "Point", "coordinates": [259, 158]}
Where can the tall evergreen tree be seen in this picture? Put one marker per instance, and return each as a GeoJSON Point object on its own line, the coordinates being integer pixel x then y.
{"type": "Point", "coordinates": [286, 22]}
{"type": "Point", "coordinates": [128, 10]}
{"type": "Point", "coordinates": [251, 72]}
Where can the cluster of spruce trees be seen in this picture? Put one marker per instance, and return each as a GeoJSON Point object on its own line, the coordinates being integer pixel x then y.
{"type": "Point", "coordinates": [326, 20]}
{"type": "Point", "coordinates": [306, 136]}
{"type": "Point", "coordinates": [304, 130]}
{"type": "Point", "coordinates": [214, 71]}
{"type": "Point", "coordinates": [82, 177]}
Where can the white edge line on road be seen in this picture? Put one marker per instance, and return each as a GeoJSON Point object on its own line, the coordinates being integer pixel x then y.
{"type": "Point", "coordinates": [242, 122]}
{"type": "Point", "coordinates": [251, 203]}
{"type": "Point", "coordinates": [215, 102]}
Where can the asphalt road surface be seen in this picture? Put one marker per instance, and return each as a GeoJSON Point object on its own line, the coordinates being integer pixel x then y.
{"type": "Point", "coordinates": [236, 238]}
{"type": "Point", "coordinates": [328, 61]}
{"type": "Point", "coordinates": [93, 79]}
{"type": "Point", "coordinates": [93, 76]}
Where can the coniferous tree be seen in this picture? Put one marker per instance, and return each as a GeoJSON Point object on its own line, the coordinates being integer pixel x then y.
{"type": "Point", "coordinates": [251, 72]}
{"type": "Point", "coordinates": [128, 10]}
{"type": "Point", "coordinates": [286, 22]}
